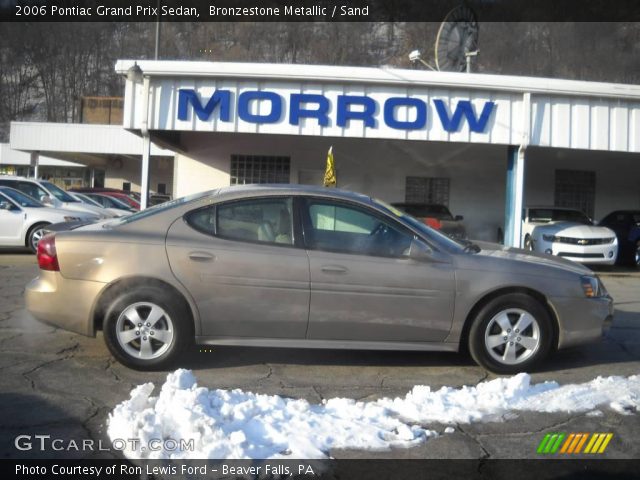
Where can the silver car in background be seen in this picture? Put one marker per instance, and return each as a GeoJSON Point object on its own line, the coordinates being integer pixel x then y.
{"type": "Point", "coordinates": [307, 267]}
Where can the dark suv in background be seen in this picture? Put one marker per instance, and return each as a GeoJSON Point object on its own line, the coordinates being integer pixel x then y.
{"type": "Point", "coordinates": [626, 224]}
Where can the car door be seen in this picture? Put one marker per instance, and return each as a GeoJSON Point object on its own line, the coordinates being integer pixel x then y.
{"type": "Point", "coordinates": [244, 268]}
{"type": "Point", "coordinates": [12, 220]}
{"type": "Point", "coordinates": [364, 286]}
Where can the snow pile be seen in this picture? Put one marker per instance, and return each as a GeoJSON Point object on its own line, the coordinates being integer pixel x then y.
{"type": "Point", "coordinates": [233, 424]}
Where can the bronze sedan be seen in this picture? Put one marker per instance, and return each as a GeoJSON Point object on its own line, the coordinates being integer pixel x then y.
{"type": "Point", "coordinates": [294, 266]}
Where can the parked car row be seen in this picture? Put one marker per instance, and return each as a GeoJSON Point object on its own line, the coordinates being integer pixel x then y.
{"type": "Point", "coordinates": [563, 232]}
{"type": "Point", "coordinates": [23, 219]}
{"type": "Point", "coordinates": [28, 206]}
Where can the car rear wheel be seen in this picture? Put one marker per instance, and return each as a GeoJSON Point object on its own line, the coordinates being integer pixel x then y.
{"type": "Point", "coordinates": [35, 235]}
{"type": "Point", "coordinates": [147, 328]}
{"type": "Point", "coordinates": [510, 334]}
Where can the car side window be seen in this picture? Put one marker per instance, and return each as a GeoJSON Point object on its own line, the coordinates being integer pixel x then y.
{"type": "Point", "coordinates": [203, 220]}
{"type": "Point", "coordinates": [349, 229]}
{"type": "Point", "coordinates": [32, 190]}
{"type": "Point", "coordinates": [5, 204]}
{"type": "Point", "coordinates": [266, 220]}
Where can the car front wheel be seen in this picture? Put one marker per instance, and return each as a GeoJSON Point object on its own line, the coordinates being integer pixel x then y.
{"type": "Point", "coordinates": [146, 328]}
{"type": "Point", "coordinates": [510, 334]}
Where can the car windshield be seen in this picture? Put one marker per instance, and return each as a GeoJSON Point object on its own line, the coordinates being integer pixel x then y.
{"type": "Point", "coordinates": [108, 201]}
{"type": "Point", "coordinates": [546, 215]}
{"type": "Point", "coordinates": [158, 209]}
{"type": "Point", "coordinates": [21, 199]}
{"type": "Point", "coordinates": [58, 192]}
{"type": "Point", "coordinates": [420, 211]}
{"type": "Point", "coordinates": [447, 243]}
{"type": "Point", "coordinates": [86, 200]}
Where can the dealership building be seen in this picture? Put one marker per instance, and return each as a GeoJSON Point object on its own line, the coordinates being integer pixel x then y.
{"type": "Point", "coordinates": [484, 145]}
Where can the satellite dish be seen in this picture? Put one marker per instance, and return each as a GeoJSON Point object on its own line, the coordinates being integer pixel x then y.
{"type": "Point", "coordinates": [457, 40]}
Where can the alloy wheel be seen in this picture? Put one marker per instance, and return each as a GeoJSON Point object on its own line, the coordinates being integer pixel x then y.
{"type": "Point", "coordinates": [512, 336]}
{"type": "Point", "coordinates": [144, 330]}
{"type": "Point", "coordinates": [36, 236]}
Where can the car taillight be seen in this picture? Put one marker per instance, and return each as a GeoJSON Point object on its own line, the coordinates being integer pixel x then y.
{"type": "Point", "coordinates": [47, 255]}
{"type": "Point", "coordinates": [433, 223]}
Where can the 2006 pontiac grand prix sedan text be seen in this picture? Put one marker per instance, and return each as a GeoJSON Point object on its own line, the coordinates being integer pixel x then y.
{"type": "Point", "coordinates": [293, 266]}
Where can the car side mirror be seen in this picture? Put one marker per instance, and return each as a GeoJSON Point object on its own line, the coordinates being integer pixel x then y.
{"type": "Point", "coordinates": [6, 206]}
{"type": "Point", "coordinates": [420, 251]}
{"type": "Point", "coordinates": [458, 218]}
{"type": "Point", "coordinates": [47, 200]}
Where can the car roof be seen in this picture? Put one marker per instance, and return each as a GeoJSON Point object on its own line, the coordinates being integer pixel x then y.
{"type": "Point", "coordinates": [417, 204]}
{"type": "Point", "coordinates": [289, 189]}
{"type": "Point", "coordinates": [22, 179]}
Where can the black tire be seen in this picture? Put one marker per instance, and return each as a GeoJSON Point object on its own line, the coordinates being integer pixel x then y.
{"type": "Point", "coordinates": [486, 327]}
{"type": "Point", "coordinates": [34, 235]}
{"type": "Point", "coordinates": [175, 322]}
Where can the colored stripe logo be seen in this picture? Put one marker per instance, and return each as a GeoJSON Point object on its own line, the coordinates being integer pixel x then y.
{"type": "Point", "coordinates": [573, 443]}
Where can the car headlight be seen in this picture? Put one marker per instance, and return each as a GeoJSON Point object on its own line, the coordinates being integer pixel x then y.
{"type": "Point", "coordinates": [592, 287]}
{"type": "Point", "coordinates": [549, 238]}
{"type": "Point", "coordinates": [71, 219]}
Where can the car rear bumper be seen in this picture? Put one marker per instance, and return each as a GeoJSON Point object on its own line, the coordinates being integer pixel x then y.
{"type": "Point", "coordinates": [63, 303]}
{"type": "Point", "coordinates": [582, 320]}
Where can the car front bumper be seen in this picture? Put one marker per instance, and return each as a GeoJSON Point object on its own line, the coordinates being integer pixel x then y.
{"type": "Point", "coordinates": [62, 302]}
{"type": "Point", "coordinates": [591, 254]}
{"type": "Point", "coordinates": [582, 320]}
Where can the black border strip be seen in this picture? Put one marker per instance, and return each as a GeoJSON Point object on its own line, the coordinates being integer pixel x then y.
{"type": "Point", "coordinates": [316, 11]}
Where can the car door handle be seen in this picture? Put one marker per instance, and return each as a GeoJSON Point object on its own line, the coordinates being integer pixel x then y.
{"type": "Point", "coordinates": [201, 257]}
{"type": "Point", "coordinates": [334, 269]}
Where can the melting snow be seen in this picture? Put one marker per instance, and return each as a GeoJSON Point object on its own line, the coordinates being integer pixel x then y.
{"type": "Point", "coordinates": [233, 424]}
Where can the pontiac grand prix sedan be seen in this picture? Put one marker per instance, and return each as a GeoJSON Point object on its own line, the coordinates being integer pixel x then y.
{"type": "Point", "coordinates": [294, 266]}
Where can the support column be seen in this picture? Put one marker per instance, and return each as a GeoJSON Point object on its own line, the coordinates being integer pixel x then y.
{"type": "Point", "coordinates": [35, 163]}
{"type": "Point", "coordinates": [92, 179]}
{"type": "Point", "coordinates": [144, 177]}
{"type": "Point", "coordinates": [514, 197]}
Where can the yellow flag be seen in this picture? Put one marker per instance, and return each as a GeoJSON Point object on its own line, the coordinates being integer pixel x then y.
{"type": "Point", "coordinates": [330, 172]}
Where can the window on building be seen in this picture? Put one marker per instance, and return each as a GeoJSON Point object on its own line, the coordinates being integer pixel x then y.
{"type": "Point", "coordinates": [162, 188]}
{"type": "Point", "coordinates": [427, 190]}
{"type": "Point", "coordinates": [576, 189]}
{"type": "Point", "coordinates": [259, 169]}
{"type": "Point", "coordinates": [126, 186]}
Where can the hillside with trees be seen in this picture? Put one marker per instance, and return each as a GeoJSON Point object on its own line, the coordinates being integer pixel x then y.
{"type": "Point", "coordinates": [48, 67]}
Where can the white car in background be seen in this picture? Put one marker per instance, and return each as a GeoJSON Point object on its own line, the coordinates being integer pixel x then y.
{"type": "Point", "coordinates": [23, 220]}
{"type": "Point", "coordinates": [568, 233]}
{"type": "Point", "coordinates": [51, 195]}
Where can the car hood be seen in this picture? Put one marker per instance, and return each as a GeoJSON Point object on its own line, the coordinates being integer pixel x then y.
{"type": "Point", "coordinates": [574, 230]}
{"type": "Point", "coordinates": [527, 261]}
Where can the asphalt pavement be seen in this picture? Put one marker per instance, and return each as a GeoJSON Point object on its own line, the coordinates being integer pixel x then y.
{"type": "Point", "coordinates": [65, 385]}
